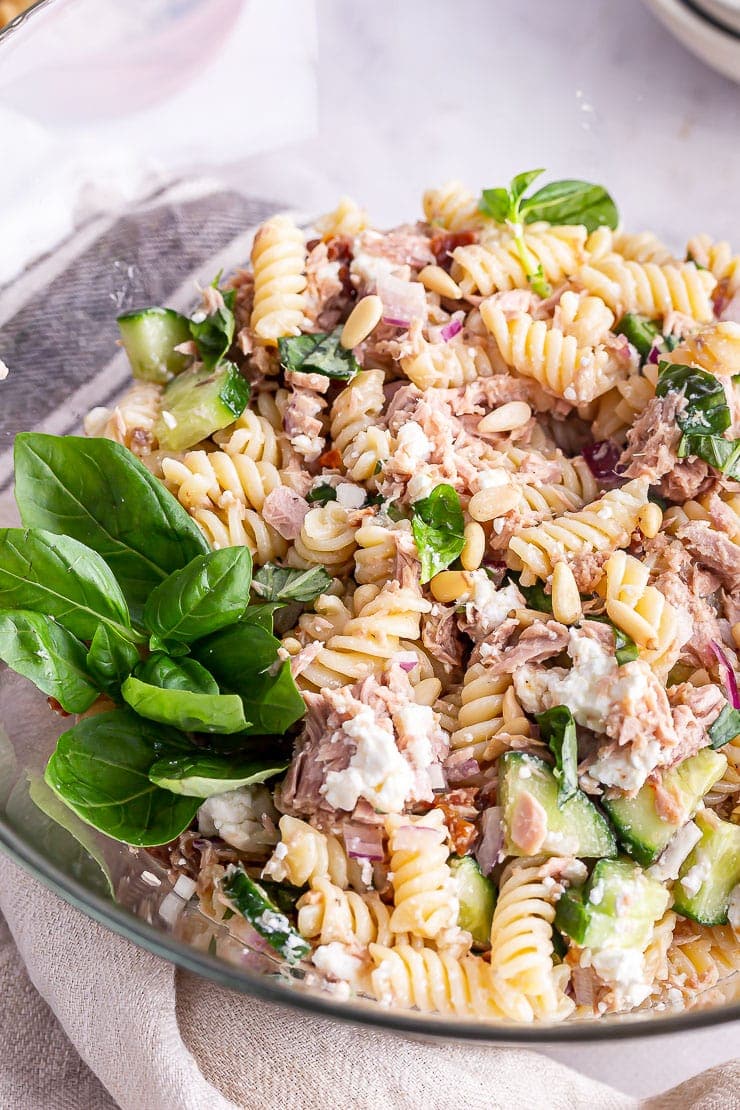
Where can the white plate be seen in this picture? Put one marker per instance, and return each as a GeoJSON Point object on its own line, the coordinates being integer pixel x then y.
{"type": "Point", "coordinates": [719, 49]}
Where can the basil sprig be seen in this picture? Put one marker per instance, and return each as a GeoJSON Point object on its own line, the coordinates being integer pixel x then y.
{"type": "Point", "coordinates": [214, 334]}
{"type": "Point", "coordinates": [65, 623]}
{"type": "Point", "coordinates": [560, 202]}
{"type": "Point", "coordinates": [558, 730]}
{"type": "Point", "coordinates": [320, 353]}
{"type": "Point", "coordinates": [438, 524]}
{"type": "Point", "coordinates": [705, 417]}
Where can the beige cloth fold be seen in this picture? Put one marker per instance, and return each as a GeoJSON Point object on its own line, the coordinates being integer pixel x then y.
{"type": "Point", "coordinates": [109, 1024]}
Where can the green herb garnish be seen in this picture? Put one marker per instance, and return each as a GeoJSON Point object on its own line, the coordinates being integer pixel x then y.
{"type": "Point", "coordinates": [320, 353]}
{"type": "Point", "coordinates": [558, 729]}
{"type": "Point", "coordinates": [438, 524]}
{"type": "Point", "coordinates": [705, 417]}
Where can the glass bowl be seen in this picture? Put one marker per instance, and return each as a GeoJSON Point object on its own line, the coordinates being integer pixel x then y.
{"type": "Point", "coordinates": [58, 338]}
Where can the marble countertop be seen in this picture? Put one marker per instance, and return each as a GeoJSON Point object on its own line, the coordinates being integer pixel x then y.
{"type": "Point", "coordinates": [413, 94]}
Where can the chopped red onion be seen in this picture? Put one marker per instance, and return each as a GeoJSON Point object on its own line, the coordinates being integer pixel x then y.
{"type": "Point", "coordinates": [460, 774]}
{"type": "Point", "coordinates": [654, 355]}
{"type": "Point", "coordinates": [584, 985]}
{"type": "Point", "coordinates": [362, 841]}
{"type": "Point", "coordinates": [396, 323]}
{"type": "Point", "coordinates": [403, 301]}
{"type": "Point", "coordinates": [491, 839]}
{"type": "Point", "coordinates": [407, 660]}
{"type": "Point", "coordinates": [413, 838]}
{"type": "Point", "coordinates": [449, 331]}
{"type": "Point", "coordinates": [437, 778]}
{"type": "Point", "coordinates": [602, 458]}
{"type": "Point", "coordinates": [728, 675]}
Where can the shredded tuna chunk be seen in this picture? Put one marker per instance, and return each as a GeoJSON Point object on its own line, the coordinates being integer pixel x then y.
{"type": "Point", "coordinates": [689, 478]}
{"type": "Point", "coordinates": [326, 294]}
{"type": "Point", "coordinates": [694, 710]}
{"type": "Point", "coordinates": [652, 441]}
{"type": "Point", "coordinates": [301, 423]}
{"type": "Point", "coordinates": [542, 640]}
{"type": "Point", "coordinates": [714, 549]}
{"type": "Point", "coordinates": [404, 246]}
{"type": "Point", "coordinates": [285, 510]}
{"type": "Point", "coordinates": [441, 635]}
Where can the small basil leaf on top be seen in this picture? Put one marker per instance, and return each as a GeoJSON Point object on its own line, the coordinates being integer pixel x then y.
{"type": "Point", "coordinates": [571, 202]}
{"type": "Point", "coordinates": [244, 659]}
{"type": "Point", "coordinates": [41, 650]}
{"type": "Point", "coordinates": [61, 578]}
{"type": "Point", "coordinates": [211, 592]}
{"type": "Point", "coordinates": [203, 774]}
{"type": "Point", "coordinates": [180, 704]}
{"type": "Point", "coordinates": [214, 333]}
{"type": "Point", "coordinates": [286, 584]}
{"type": "Point", "coordinates": [111, 658]}
{"type": "Point", "coordinates": [321, 495]}
{"type": "Point", "coordinates": [558, 730]}
{"type": "Point", "coordinates": [438, 524]}
{"type": "Point", "coordinates": [100, 769]}
{"type": "Point", "coordinates": [725, 728]}
{"type": "Point", "coordinates": [320, 353]}
{"type": "Point", "coordinates": [97, 492]}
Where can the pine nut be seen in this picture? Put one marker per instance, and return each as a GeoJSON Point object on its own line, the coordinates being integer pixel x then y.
{"type": "Point", "coordinates": [472, 554]}
{"type": "Point", "coordinates": [437, 280]}
{"type": "Point", "coordinates": [364, 318]}
{"type": "Point", "coordinates": [427, 691]}
{"type": "Point", "coordinates": [650, 519]}
{"type": "Point", "coordinates": [566, 601]}
{"type": "Point", "coordinates": [487, 504]}
{"type": "Point", "coordinates": [736, 634]}
{"type": "Point", "coordinates": [449, 585]}
{"type": "Point", "coordinates": [514, 414]}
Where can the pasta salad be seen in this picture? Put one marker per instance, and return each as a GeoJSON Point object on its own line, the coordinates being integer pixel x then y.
{"type": "Point", "coordinates": [397, 604]}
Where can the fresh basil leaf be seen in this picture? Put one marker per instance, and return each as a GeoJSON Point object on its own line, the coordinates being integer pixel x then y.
{"type": "Point", "coordinates": [321, 494]}
{"type": "Point", "coordinates": [37, 647]}
{"type": "Point", "coordinates": [536, 598]}
{"type": "Point", "coordinates": [183, 709]}
{"type": "Point", "coordinates": [205, 774]}
{"type": "Point", "coordinates": [215, 333]}
{"type": "Point", "coordinates": [251, 901]}
{"type": "Point", "coordinates": [707, 411]}
{"type": "Point", "coordinates": [320, 353]}
{"type": "Point", "coordinates": [519, 184]}
{"type": "Point", "coordinates": [642, 332]}
{"type": "Point", "coordinates": [723, 454]}
{"type": "Point", "coordinates": [558, 730]}
{"type": "Point", "coordinates": [284, 895]}
{"type": "Point", "coordinates": [571, 202]}
{"type": "Point", "coordinates": [162, 670]}
{"type": "Point", "coordinates": [438, 525]}
{"type": "Point", "coordinates": [97, 492]}
{"type": "Point", "coordinates": [244, 659]}
{"type": "Point", "coordinates": [262, 614]}
{"type": "Point", "coordinates": [100, 769]}
{"type": "Point", "coordinates": [284, 584]}
{"type": "Point", "coordinates": [61, 578]}
{"type": "Point", "coordinates": [211, 592]}
{"type": "Point", "coordinates": [110, 658]}
{"type": "Point", "coordinates": [496, 203]}
{"type": "Point", "coordinates": [725, 728]}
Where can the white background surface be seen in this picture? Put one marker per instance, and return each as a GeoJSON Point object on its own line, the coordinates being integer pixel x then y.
{"type": "Point", "coordinates": [413, 92]}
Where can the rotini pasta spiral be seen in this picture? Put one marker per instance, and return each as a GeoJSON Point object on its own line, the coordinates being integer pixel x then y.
{"type": "Point", "coordinates": [383, 619]}
{"type": "Point", "coordinates": [649, 288]}
{"type": "Point", "coordinates": [642, 246]}
{"type": "Point", "coordinates": [549, 356]}
{"type": "Point", "coordinates": [497, 267]}
{"type": "Point", "coordinates": [521, 939]}
{"type": "Point", "coordinates": [354, 431]}
{"type": "Point", "coordinates": [452, 207]}
{"type": "Point", "coordinates": [715, 348]}
{"type": "Point", "coordinates": [603, 525]}
{"type": "Point", "coordinates": [327, 539]}
{"type": "Point", "coordinates": [252, 435]}
{"type": "Point", "coordinates": [279, 264]}
{"type": "Point", "coordinates": [446, 365]}
{"type": "Point", "coordinates": [718, 258]}
{"type": "Point", "coordinates": [424, 904]}
{"type": "Point", "coordinates": [347, 219]}
{"type": "Point", "coordinates": [640, 610]}
{"type": "Point", "coordinates": [305, 855]}
{"type": "Point", "coordinates": [131, 420]}
{"type": "Point", "coordinates": [587, 319]}
{"type": "Point", "coordinates": [327, 914]}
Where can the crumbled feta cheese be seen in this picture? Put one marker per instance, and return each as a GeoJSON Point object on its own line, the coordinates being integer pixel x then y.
{"type": "Point", "coordinates": [237, 817]}
{"type": "Point", "coordinates": [488, 479]}
{"type": "Point", "coordinates": [377, 771]}
{"type": "Point", "coordinates": [350, 496]}
{"type": "Point", "coordinates": [487, 606]}
{"type": "Point", "coordinates": [412, 447]}
{"type": "Point", "coordinates": [417, 724]}
{"type": "Point", "coordinates": [696, 875]}
{"type": "Point", "coordinates": [366, 268]}
{"type": "Point", "coordinates": [585, 688]}
{"type": "Point", "coordinates": [623, 969]}
{"type": "Point", "coordinates": [628, 767]}
{"type": "Point", "coordinates": [336, 961]}
{"type": "Point", "coordinates": [419, 487]}
{"type": "Point", "coordinates": [596, 894]}
{"type": "Point", "coordinates": [668, 865]}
